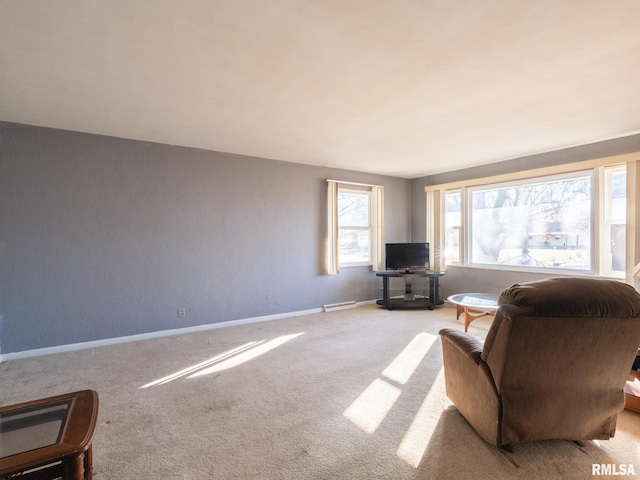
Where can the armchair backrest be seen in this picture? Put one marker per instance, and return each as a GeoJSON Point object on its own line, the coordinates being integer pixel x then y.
{"type": "Point", "coordinates": [562, 342]}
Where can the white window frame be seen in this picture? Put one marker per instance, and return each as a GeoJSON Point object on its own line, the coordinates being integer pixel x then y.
{"type": "Point", "coordinates": [468, 241]}
{"type": "Point", "coordinates": [376, 225]}
{"type": "Point", "coordinates": [436, 226]}
{"type": "Point", "coordinates": [368, 228]}
{"type": "Point", "coordinates": [606, 176]}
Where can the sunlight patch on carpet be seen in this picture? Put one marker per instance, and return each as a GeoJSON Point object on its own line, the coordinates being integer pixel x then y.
{"type": "Point", "coordinates": [403, 366]}
{"type": "Point", "coordinates": [226, 360]}
{"type": "Point", "coordinates": [372, 406]}
{"type": "Point", "coordinates": [417, 438]}
{"type": "Point", "coordinates": [197, 366]}
{"type": "Point", "coordinates": [246, 356]}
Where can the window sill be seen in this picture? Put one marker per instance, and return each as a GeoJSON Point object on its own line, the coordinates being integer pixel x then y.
{"type": "Point", "coordinates": [356, 264]}
{"type": "Point", "coordinates": [540, 271]}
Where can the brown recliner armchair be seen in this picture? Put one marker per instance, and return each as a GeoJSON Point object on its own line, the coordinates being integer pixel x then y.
{"type": "Point", "coordinates": [553, 364]}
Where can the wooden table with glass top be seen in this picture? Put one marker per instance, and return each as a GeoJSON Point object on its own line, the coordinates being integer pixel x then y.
{"type": "Point", "coordinates": [50, 438]}
{"type": "Point", "coordinates": [474, 305]}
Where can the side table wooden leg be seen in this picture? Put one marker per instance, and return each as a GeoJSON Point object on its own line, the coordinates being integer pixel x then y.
{"type": "Point", "coordinates": [470, 315]}
{"type": "Point", "coordinates": [73, 467]}
{"type": "Point", "coordinates": [88, 464]}
{"type": "Point", "coordinates": [468, 318]}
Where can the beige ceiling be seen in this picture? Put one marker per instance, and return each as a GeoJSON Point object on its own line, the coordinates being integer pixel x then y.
{"type": "Point", "coordinates": [404, 88]}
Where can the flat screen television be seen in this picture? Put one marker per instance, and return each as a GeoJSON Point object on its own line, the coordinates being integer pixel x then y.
{"type": "Point", "coordinates": [407, 256]}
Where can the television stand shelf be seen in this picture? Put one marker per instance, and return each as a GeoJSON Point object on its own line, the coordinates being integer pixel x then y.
{"type": "Point", "coordinates": [410, 299]}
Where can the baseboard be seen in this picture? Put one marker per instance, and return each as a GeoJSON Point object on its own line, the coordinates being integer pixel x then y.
{"type": "Point", "coordinates": [163, 333]}
{"type": "Point", "coordinates": [147, 336]}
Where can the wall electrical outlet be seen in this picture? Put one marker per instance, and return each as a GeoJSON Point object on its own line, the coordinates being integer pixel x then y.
{"type": "Point", "coordinates": [182, 312]}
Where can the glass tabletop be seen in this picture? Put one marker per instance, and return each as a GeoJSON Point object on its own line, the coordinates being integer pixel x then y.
{"type": "Point", "coordinates": [31, 428]}
{"type": "Point", "coordinates": [478, 300]}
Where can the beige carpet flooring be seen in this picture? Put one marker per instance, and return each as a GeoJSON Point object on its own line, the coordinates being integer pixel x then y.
{"type": "Point", "coordinates": [353, 394]}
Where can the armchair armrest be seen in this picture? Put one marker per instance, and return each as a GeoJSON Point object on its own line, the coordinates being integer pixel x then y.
{"type": "Point", "coordinates": [469, 383]}
{"type": "Point", "coordinates": [469, 346]}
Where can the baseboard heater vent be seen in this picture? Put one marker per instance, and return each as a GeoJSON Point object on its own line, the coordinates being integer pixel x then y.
{"type": "Point", "coordinates": [340, 306]}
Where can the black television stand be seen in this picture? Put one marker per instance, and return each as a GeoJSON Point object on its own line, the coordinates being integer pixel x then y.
{"type": "Point", "coordinates": [410, 299]}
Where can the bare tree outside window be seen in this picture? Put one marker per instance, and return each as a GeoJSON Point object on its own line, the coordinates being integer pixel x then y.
{"type": "Point", "coordinates": [545, 224]}
{"type": "Point", "coordinates": [551, 222]}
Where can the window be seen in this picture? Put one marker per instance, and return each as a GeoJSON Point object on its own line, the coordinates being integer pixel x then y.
{"type": "Point", "coordinates": [542, 224]}
{"type": "Point", "coordinates": [453, 222]}
{"type": "Point", "coordinates": [355, 226]}
{"type": "Point", "coordinates": [615, 224]}
{"type": "Point", "coordinates": [574, 222]}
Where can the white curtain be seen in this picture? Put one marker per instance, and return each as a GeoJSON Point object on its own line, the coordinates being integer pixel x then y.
{"type": "Point", "coordinates": [377, 210]}
{"type": "Point", "coordinates": [435, 227]}
{"type": "Point", "coordinates": [633, 222]}
{"type": "Point", "coordinates": [332, 262]}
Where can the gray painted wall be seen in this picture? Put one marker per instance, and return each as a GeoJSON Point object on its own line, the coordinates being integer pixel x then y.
{"type": "Point", "coordinates": [468, 279]}
{"type": "Point", "coordinates": [103, 237]}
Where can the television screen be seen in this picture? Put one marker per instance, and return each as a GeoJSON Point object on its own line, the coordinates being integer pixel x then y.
{"type": "Point", "coordinates": [407, 256]}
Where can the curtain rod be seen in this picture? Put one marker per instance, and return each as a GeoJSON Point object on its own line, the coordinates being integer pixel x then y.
{"type": "Point", "coordinates": [354, 183]}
